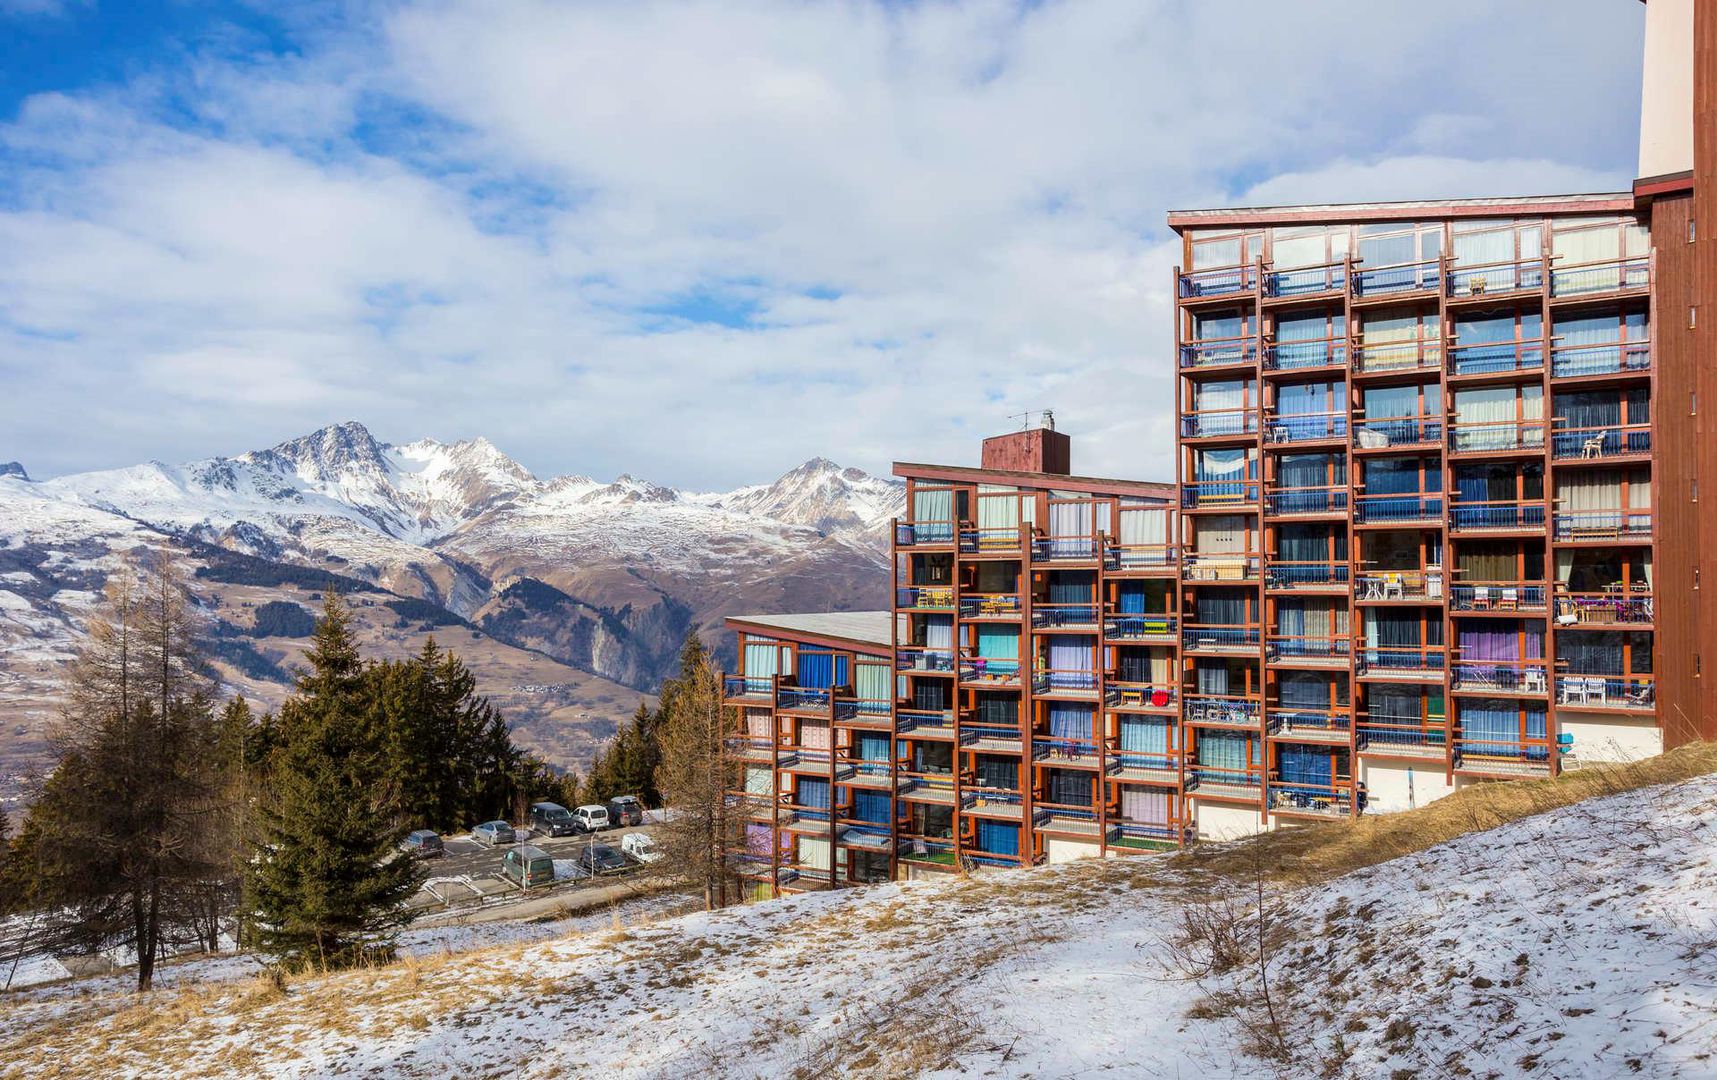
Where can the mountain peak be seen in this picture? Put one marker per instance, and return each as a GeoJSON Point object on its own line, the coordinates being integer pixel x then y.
{"type": "Point", "coordinates": [330, 450]}
{"type": "Point", "coordinates": [12, 468]}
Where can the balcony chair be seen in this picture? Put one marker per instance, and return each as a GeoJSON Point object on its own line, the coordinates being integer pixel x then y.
{"type": "Point", "coordinates": [1593, 447]}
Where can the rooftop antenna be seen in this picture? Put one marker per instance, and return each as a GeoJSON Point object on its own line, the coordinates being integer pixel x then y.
{"type": "Point", "coordinates": [1046, 417]}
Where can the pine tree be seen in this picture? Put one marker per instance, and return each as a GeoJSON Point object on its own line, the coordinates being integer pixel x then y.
{"type": "Point", "coordinates": [627, 764]}
{"type": "Point", "coordinates": [328, 886]}
{"type": "Point", "coordinates": [695, 776]}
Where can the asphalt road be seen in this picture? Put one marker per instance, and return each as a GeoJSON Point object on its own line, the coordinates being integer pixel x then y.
{"type": "Point", "coordinates": [472, 872]}
{"type": "Point", "coordinates": [467, 857]}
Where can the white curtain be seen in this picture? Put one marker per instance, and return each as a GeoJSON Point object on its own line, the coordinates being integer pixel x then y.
{"type": "Point", "coordinates": [1590, 490]}
{"type": "Point", "coordinates": [763, 661]}
{"type": "Point", "coordinates": [1574, 245]}
{"type": "Point", "coordinates": [1070, 519]}
{"type": "Point", "coordinates": [814, 734]}
{"type": "Point", "coordinates": [1484, 248]}
{"type": "Point", "coordinates": [813, 854]}
{"type": "Point", "coordinates": [1220, 534]}
{"type": "Point", "coordinates": [1639, 489]}
{"type": "Point", "coordinates": [934, 505]}
{"type": "Point", "coordinates": [1222, 395]}
{"type": "Point", "coordinates": [757, 723]}
{"type": "Point", "coordinates": [1147, 806]}
{"type": "Point", "coordinates": [1142, 527]}
{"type": "Point", "coordinates": [999, 509]}
{"type": "Point", "coordinates": [939, 632]}
{"type": "Point", "coordinates": [759, 782]}
{"type": "Point", "coordinates": [1307, 249]}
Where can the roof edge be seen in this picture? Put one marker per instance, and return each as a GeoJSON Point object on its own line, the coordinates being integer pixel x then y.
{"type": "Point", "coordinates": [1094, 484]}
{"type": "Point", "coordinates": [1403, 209]}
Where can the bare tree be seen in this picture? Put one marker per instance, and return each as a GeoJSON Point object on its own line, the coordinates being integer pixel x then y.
{"type": "Point", "coordinates": [695, 777]}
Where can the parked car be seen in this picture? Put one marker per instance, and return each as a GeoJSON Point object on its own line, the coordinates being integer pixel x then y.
{"type": "Point", "coordinates": [553, 819]}
{"type": "Point", "coordinates": [424, 843]}
{"type": "Point", "coordinates": [493, 833]}
{"type": "Point", "coordinates": [640, 847]}
{"type": "Point", "coordinates": [592, 818]}
{"type": "Point", "coordinates": [602, 859]}
{"type": "Point", "coordinates": [625, 810]}
{"type": "Point", "coordinates": [527, 866]}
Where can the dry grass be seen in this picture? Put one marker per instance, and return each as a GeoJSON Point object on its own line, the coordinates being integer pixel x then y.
{"type": "Point", "coordinates": [1304, 856]}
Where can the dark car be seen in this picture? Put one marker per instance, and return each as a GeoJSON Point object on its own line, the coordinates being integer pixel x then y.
{"type": "Point", "coordinates": [527, 866]}
{"type": "Point", "coordinates": [553, 819]}
{"type": "Point", "coordinates": [625, 810]}
{"type": "Point", "coordinates": [424, 843]}
{"type": "Point", "coordinates": [493, 833]}
{"type": "Point", "coordinates": [602, 859]}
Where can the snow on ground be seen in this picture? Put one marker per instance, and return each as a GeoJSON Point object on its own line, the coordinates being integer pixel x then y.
{"type": "Point", "coordinates": [1577, 944]}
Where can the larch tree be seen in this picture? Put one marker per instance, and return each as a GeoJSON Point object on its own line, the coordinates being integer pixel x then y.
{"type": "Point", "coordinates": [695, 776]}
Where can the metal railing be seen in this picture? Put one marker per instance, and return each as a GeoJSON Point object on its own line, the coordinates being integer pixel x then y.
{"type": "Point", "coordinates": [1496, 515]}
{"type": "Point", "coordinates": [1064, 681]}
{"type": "Point", "coordinates": [1219, 281]}
{"type": "Point", "coordinates": [1496, 357]}
{"type": "Point", "coordinates": [991, 733]}
{"type": "Point", "coordinates": [1603, 524]}
{"type": "Point", "coordinates": [1055, 747]}
{"type": "Point", "coordinates": [1501, 676]}
{"type": "Point", "coordinates": [737, 686]}
{"type": "Point", "coordinates": [1531, 750]}
{"type": "Point", "coordinates": [1305, 280]}
{"type": "Point", "coordinates": [1331, 499]}
{"type": "Point", "coordinates": [921, 533]}
{"type": "Point", "coordinates": [1213, 710]}
{"type": "Point", "coordinates": [1300, 647]}
{"type": "Point", "coordinates": [1140, 627]}
{"type": "Point", "coordinates": [1335, 800]}
{"type": "Point", "coordinates": [1499, 596]}
{"type": "Point", "coordinates": [1220, 566]}
{"type": "Point", "coordinates": [1219, 493]}
{"type": "Point", "coordinates": [1372, 509]}
{"type": "Point", "coordinates": [1294, 355]}
{"type": "Point", "coordinates": [1220, 637]}
{"type": "Point", "coordinates": [989, 669]}
{"type": "Point", "coordinates": [1496, 436]}
{"type": "Point", "coordinates": [1610, 275]}
{"type": "Point", "coordinates": [1607, 691]}
{"type": "Point", "coordinates": [1406, 658]}
{"type": "Point", "coordinates": [1207, 774]}
{"type": "Point", "coordinates": [1290, 721]}
{"type": "Point", "coordinates": [1140, 556]}
{"type": "Point", "coordinates": [1390, 431]}
{"type": "Point", "coordinates": [1603, 609]}
{"type": "Point", "coordinates": [1395, 356]}
{"type": "Point", "coordinates": [990, 605]}
{"type": "Point", "coordinates": [1399, 585]}
{"type": "Point", "coordinates": [919, 658]}
{"type": "Point", "coordinates": [1205, 354]}
{"type": "Point", "coordinates": [1140, 695]}
{"type": "Point", "coordinates": [929, 721]}
{"type": "Point", "coordinates": [1051, 616]}
{"type": "Point", "coordinates": [1383, 732]}
{"type": "Point", "coordinates": [1402, 277]}
{"type": "Point", "coordinates": [1305, 427]}
{"type": "Point", "coordinates": [1499, 277]}
{"type": "Point", "coordinates": [1305, 575]}
{"type": "Point", "coordinates": [1067, 548]}
{"type": "Point", "coordinates": [925, 597]}
{"type": "Point", "coordinates": [998, 540]}
{"type": "Point", "coordinates": [1597, 443]}
{"type": "Point", "coordinates": [1218, 422]}
{"type": "Point", "coordinates": [1611, 358]}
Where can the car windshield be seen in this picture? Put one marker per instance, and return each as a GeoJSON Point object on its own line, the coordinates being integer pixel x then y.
{"type": "Point", "coordinates": [557, 814]}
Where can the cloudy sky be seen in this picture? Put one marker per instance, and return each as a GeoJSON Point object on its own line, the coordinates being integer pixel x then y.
{"type": "Point", "coordinates": [703, 240]}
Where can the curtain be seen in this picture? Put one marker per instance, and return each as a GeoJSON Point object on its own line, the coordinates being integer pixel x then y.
{"type": "Point", "coordinates": [821, 670]}
{"type": "Point", "coordinates": [999, 513]}
{"type": "Point", "coordinates": [1072, 659]}
{"type": "Point", "coordinates": [1212, 678]}
{"type": "Point", "coordinates": [930, 696]}
{"type": "Point", "coordinates": [759, 723]}
{"type": "Point", "coordinates": [1233, 465]}
{"type": "Point", "coordinates": [814, 734]}
{"type": "Point", "coordinates": [1141, 736]}
{"type": "Point", "coordinates": [1068, 721]}
{"type": "Point", "coordinates": [1070, 587]}
{"type": "Point", "coordinates": [813, 853]}
{"type": "Point", "coordinates": [762, 662]}
{"type": "Point", "coordinates": [1492, 639]}
{"type": "Point", "coordinates": [1143, 527]}
{"type": "Point", "coordinates": [1590, 490]}
{"type": "Point", "coordinates": [1393, 476]}
{"type": "Point", "coordinates": [998, 642]}
{"type": "Point", "coordinates": [1221, 534]}
{"type": "Point", "coordinates": [939, 631]}
{"type": "Point", "coordinates": [874, 686]}
{"type": "Point", "coordinates": [1305, 690]}
{"type": "Point", "coordinates": [1222, 750]}
{"type": "Point", "coordinates": [813, 793]}
{"type": "Point", "coordinates": [1222, 607]}
{"type": "Point", "coordinates": [1222, 396]}
{"type": "Point", "coordinates": [759, 782]}
{"type": "Point", "coordinates": [872, 807]}
{"type": "Point", "coordinates": [933, 510]}
{"type": "Point", "coordinates": [1597, 653]}
{"type": "Point", "coordinates": [1305, 765]}
{"type": "Point", "coordinates": [1496, 728]}
{"type": "Point", "coordinates": [1309, 543]}
{"type": "Point", "coordinates": [1131, 598]}
{"type": "Point", "coordinates": [1145, 806]}
{"type": "Point", "coordinates": [996, 772]}
{"type": "Point", "coordinates": [872, 746]}
{"type": "Point", "coordinates": [997, 711]}
{"type": "Point", "coordinates": [1069, 788]}
{"type": "Point", "coordinates": [1384, 630]}
{"type": "Point", "coordinates": [998, 838]}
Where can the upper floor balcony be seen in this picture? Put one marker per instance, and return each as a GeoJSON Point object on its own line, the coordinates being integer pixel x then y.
{"type": "Point", "coordinates": [1331, 799]}
{"type": "Point", "coordinates": [1078, 618]}
{"type": "Point", "coordinates": [1211, 638]}
{"type": "Point", "coordinates": [1408, 736]}
{"type": "Point", "coordinates": [1000, 543]}
{"type": "Point", "coordinates": [1408, 586]}
{"type": "Point", "coordinates": [1602, 443]}
{"type": "Point", "coordinates": [1408, 357]}
{"type": "Point", "coordinates": [1502, 515]}
{"type": "Point", "coordinates": [1624, 275]}
{"type": "Point", "coordinates": [1605, 358]}
{"type": "Point", "coordinates": [1497, 597]}
{"type": "Point", "coordinates": [1320, 650]}
{"type": "Point", "coordinates": [1503, 678]}
{"type": "Point", "coordinates": [1219, 424]}
{"type": "Point", "coordinates": [1398, 433]}
{"type": "Point", "coordinates": [1405, 508]}
{"type": "Point", "coordinates": [1223, 711]}
{"type": "Point", "coordinates": [1140, 558]}
{"type": "Point", "coordinates": [989, 671]}
{"type": "Point", "coordinates": [1064, 682]}
{"type": "Point", "coordinates": [935, 724]}
{"type": "Point", "coordinates": [1325, 575]}
{"type": "Point", "coordinates": [1480, 281]}
{"type": "Point", "coordinates": [935, 598]}
{"type": "Point", "coordinates": [1301, 281]}
{"type": "Point", "coordinates": [1219, 353]}
{"type": "Point", "coordinates": [1128, 696]}
{"type": "Point", "coordinates": [1290, 501]}
{"type": "Point", "coordinates": [1305, 427]}
{"type": "Point", "coordinates": [1069, 549]}
{"type": "Point", "coordinates": [1219, 281]}
{"type": "Point", "coordinates": [923, 534]}
{"type": "Point", "coordinates": [1613, 525]}
{"type": "Point", "coordinates": [1303, 355]}
{"type": "Point", "coordinates": [994, 606]}
{"type": "Point", "coordinates": [1616, 608]}
{"type": "Point", "coordinates": [1223, 566]}
{"type": "Point", "coordinates": [1629, 693]}
{"type": "Point", "coordinates": [1413, 662]}
{"type": "Point", "coordinates": [1219, 494]}
{"type": "Point", "coordinates": [1312, 725]}
{"type": "Point", "coordinates": [920, 659]}
{"type": "Point", "coordinates": [1423, 275]}
{"type": "Point", "coordinates": [748, 689]}
{"type": "Point", "coordinates": [1144, 628]}
{"type": "Point", "coordinates": [1496, 358]}
{"type": "Point", "coordinates": [1496, 437]}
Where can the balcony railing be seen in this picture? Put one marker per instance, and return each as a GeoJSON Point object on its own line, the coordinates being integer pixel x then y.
{"type": "Point", "coordinates": [1056, 748]}
{"type": "Point", "coordinates": [1220, 566]}
{"type": "Point", "coordinates": [1496, 515]}
{"type": "Point", "coordinates": [1384, 733]}
{"type": "Point", "coordinates": [1385, 432]}
{"type": "Point", "coordinates": [1375, 509]}
{"type": "Point", "coordinates": [1496, 357]}
{"type": "Point", "coordinates": [1140, 695]}
{"type": "Point", "coordinates": [1333, 800]}
{"type": "Point", "coordinates": [1597, 443]}
{"type": "Point", "coordinates": [1067, 548]}
{"type": "Point", "coordinates": [1474, 751]}
{"type": "Point", "coordinates": [994, 733]}
{"type": "Point", "coordinates": [1305, 280]}
{"type": "Point", "coordinates": [1167, 761]}
{"type": "Point", "coordinates": [1399, 585]}
{"type": "Point", "coordinates": [1490, 278]}
{"type": "Point", "coordinates": [805, 699]}
{"type": "Point", "coordinates": [1294, 355]}
{"type": "Point", "coordinates": [741, 686]}
{"type": "Point", "coordinates": [1312, 723]}
{"type": "Point", "coordinates": [1064, 681]}
{"type": "Point", "coordinates": [1306, 500]}
{"type": "Point", "coordinates": [1496, 436]}
{"type": "Point", "coordinates": [1603, 609]}
{"type": "Point", "coordinates": [940, 784]}
{"type": "Point", "coordinates": [1612, 358]}
{"type": "Point", "coordinates": [1381, 358]}
{"type": "Point", "coordinates": [1610, 275]}
{"type": "Point", "coordinates": [919, 658]}
{"type": "Point", "coordinates": [1001, 541]}
{"type": "Point", "coordinates": [1501, 676]}
{"type": "Point", "coordinates": [1305, 427]}
{"type": "Point", "coordinates": [1607, 691]}
{"type": "Point", "coordinates": [925, 597]}
{"type": "Point", "coordinates": [1603, 524]}
{"type": "Point", "coordinates": [1139, 627]}
{"type": "Point", "coordinates": [1209, 775]}
{"type": "Point", "coordinates": [1219, 422]}
{"type": "Point", "coordinates": [1498, 596]}
{"type": "Point", "coordinates": [1140, 556]}
{"type": "Point", "coordinates": [925, 723]}
{"type": "Point", "coordinates": [1052, 616]}
{"type": "Point", "coordinates": [1220, 637]}
{"type": "Point", "coordinates": [1300, 647]}
{"type": "Point", "coordinates": [1404, 277]}
{"type": "Point", "coordinates": [1221, 711]}
{"type": "Point", "coordinates": [984, 669]}
{"type": "Point", "coordinates": [990, 606]}
{"type": "Point", "coordinates": [1206, 354]}
{"type": "Point", "coordinates": [1305, 575]}
{"type": "Point", "coordinates": [1219, 281]}
{"type": "Point", "coordinates": [1219, 493]}
{"type": "Point", "coordinates": [1410, 659]}
{"type": "Point", "coordinates": [921, 533]}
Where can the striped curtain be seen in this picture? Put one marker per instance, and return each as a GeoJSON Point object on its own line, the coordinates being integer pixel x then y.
{"type": "Point", "coordinates": [1144, 805]}
{"type": "Point", "coordinates": [874, 686]}
{"type": "Point", "coordinates": [1141, 736]}
{"type": "Point", "coordinates": [872, 807]}
{"type": "Point", "coordinates": [1069, 721]}
{"type": "Point", "coordinates": [1068, 787]}
{"type": "Point", "coordinates": [813, 793]}
{"type": "Point", "coordinates": [998, 838]}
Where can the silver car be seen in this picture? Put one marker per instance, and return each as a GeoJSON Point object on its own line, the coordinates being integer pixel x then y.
{"type": "Point", "coordinates": [493, 833]}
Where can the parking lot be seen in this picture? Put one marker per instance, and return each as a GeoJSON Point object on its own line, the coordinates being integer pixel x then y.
{"type": "Point", "coordinates": [470, 873]}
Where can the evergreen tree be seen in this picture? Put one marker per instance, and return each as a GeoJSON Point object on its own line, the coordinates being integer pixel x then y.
{"type": "Point", "coordinates": [329, 885]}
{"type": "Point", "coordinates": [627, 764]}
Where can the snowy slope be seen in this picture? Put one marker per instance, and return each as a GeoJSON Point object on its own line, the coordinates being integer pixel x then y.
{"type": "Point", "coordinates": [1576, 944]}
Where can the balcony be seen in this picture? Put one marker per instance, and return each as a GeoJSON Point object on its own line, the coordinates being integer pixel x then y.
{"type": "Point", "coordinates": [1229, 352]}
{"type": "Point", "coordinates": [1397, 357]}
{"type": "Point", "coordinates": [1147, 627]}
{"type": "Point", "coordinates": [1406, 508]}
{"type": "Point", "coordinates": [1218, 711]}
{"type": "Point", "coordinates": [1406, 661]}
{"type": "Point", "coordinates": [1161, 768]}
{"type": "Point", "coordinates": [752, 748]}
{"type": "Point", "coordinates": [1212, 782]}
{"type": "Point", "coordinates": [1604, 525]}
{"type": "Point", "coordinates": [978, 607]}
{"type": "Point", "coordinates": [989, 671]}
{"type": "Point", "coordinates": [1219, 494]}
{"type": "Point", "coordinates": [1496, 357]}
{"type": "Point", "coordinates": [1632, 693]}
{"type": "Point", "coordinates": [1306, 576]}
{"type": "Point", "coordinates": [917, 658]}
{"type": "Point", "coordinates": [1505, 755]}
{"type": "Point", "coordinates": [1298, 649]}
{"type": "Point", "coordinates": [1409, 586]}
{"type": "Point", "coordinates": [1300, 355]}
{"type": "Point", "coordinates": [1304, 725]}
{"type": "Point", "coordinates": [1285, 502]}
{"type": "Point", "coordinates": [1071, 753]}
{"type": "Point", "coordinates": [1065, 549]}
{"type": "Point", "coordinates": [1220, 639]}
{"type": "Point", "coordinates": [992, 738]}
{"type": "Point", "coordinates": [1076, 617]}
{"type": "Point", "coordinates": [923, 533]}
{"type": "Point", "coordinates": [993, 802]}
{"type": "Point", "coordinates": [1505, 678]}
{"type": "Point", "coordinates": [1497, 597]}
{"type": "Point", "coordinates": [1081, 821]}
{"type": "Point", "coordinates": [819, 701]}
{"type": "Point", "coordinates": [1490, 279]}
{"type": "Point", "coordinates": [1611, 275]}
{"type": "Point", "coordinates": [925, 723]}
{"type": "Point", "coordinates": [1320, 800]}
{"type": "Point", "coordinates": [1219, 281]}
{"type": "Point", "coordinates": [1395, 280]}
{"type": "Point", "coordinates": [924, 598]}
{"type": "Point", "coordinates": [1617, 608]}
{"type": "Point", "coordinates": [1127, 696]}
{"type": "Point", "coordinates": [1001, 543]}
{"type": "Point", "coordinates": [1398, 432]}
{"type": "Point", "coordinates": [1421, 737]}
{"type": "Point", "coordinates": [935, 788]}
{"type": "Point", "coordinates": [1140, 558]}
{"type": "Point", "coordinates": [1497, 437]}
{"type": "Point", "coordinates": [1600, 443]}
{"type": "Point", "coordinates": [1305, 280]}
{"type": "Point", "coordinates": [1219, 424]}
{"type": "Point", "coordinates": [1064, 682]}
{"type": "Point", "coordinates": [1148, 835]}
{"type": "Point", "coordinates": [1305, 428]}
{"type": "Point", "coordinates": [1226, 566]}
{"type": "Point", "coordinates": [743, 690]}
{"type": "Point", "coordinates": [1500, 516]}
{"type": "Point", "coordinates": [1613, 358]}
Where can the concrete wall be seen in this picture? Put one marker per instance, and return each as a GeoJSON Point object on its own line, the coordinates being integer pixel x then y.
{"type": "Point", "coordinates": [1666, 95]}
{"type": "Point", "coordinates": [1392, 786]}
{"type": "Point", "coordinates": [1600, 737]}
{"type": "Point", "coordinates": [1218, 822]}
{"type": "Point", "coordinates": [1057, 850]}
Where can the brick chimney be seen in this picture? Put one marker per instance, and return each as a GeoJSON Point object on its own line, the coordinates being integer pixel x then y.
{"type": "Point", "coordinates": [1039, 450]}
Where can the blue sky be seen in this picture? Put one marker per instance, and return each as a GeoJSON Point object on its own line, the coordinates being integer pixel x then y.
{"type": "Point", "coordinates": [703, 240]}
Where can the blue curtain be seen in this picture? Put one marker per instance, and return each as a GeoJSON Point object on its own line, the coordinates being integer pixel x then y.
{"type": "Point", "coordinates": [998, 642]}
{"type": "Point", "coordinates": [1130, 600]}
{"type": "Point", "coordinates": [1071, 659]}
{"type": "Point", "coordinates": [1222, 750]}
{"type": "Point", "coordinates": [871, 806]}
{"type": "Point", "coordinates": [1068, 587]}
{"type": "Point", "coordinates": [1305, 690]}
{"type": "Point", "coordinates": [820, 670]}
{"type": "Point", "coordinates": [1305, 765]}
{"type": "Point", "coordinates": [872, 746]}
{"type": "Point", "coordinates": [1142, 736]}
{"type": "Point", "coordinates": [1069, 721]}
{"type": "Point", "coordinates": [998, 838]}
{"type": "Point", "coordinates": [1495, 728]}
{"type": "Point", "coordinates": [813, 793]}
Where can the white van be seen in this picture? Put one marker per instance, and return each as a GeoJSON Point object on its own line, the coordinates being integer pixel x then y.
{"type": "Point", "coordinates": [591, 818]}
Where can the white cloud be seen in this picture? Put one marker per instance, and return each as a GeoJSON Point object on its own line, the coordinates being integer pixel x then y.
{"type": "Point", "coordinates": [938, 214]}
